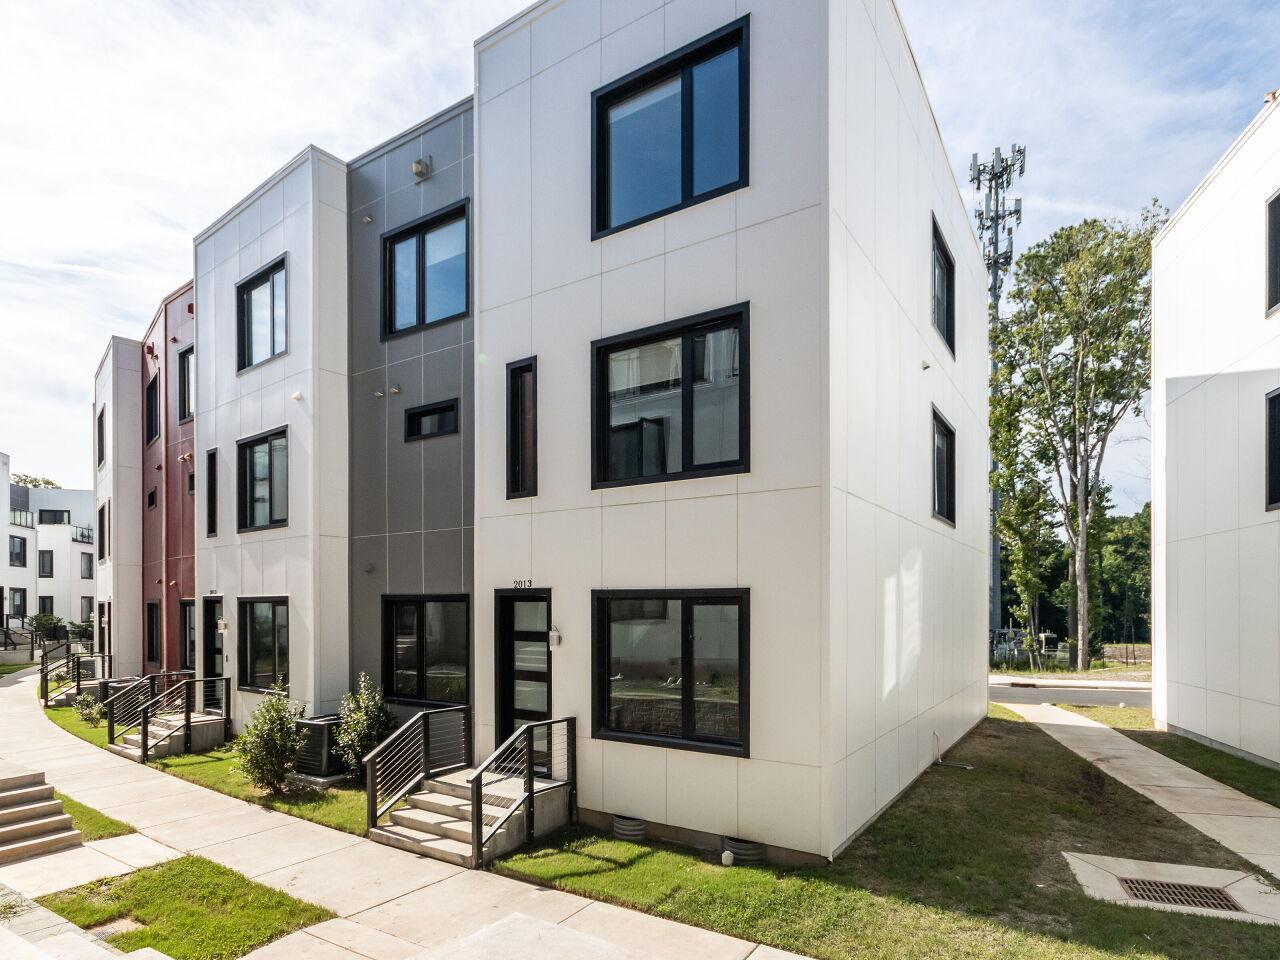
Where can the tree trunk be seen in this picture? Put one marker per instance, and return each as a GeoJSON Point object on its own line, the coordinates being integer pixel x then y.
{"type": "Point", "coordinates": [1082, 596]}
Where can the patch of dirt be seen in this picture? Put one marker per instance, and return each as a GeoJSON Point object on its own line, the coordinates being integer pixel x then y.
{"type": "Point", "coordinates": [110, 929]}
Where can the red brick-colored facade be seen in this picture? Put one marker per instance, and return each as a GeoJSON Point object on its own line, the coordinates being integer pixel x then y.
{"type": "Point", "coordinates": [168, 500]}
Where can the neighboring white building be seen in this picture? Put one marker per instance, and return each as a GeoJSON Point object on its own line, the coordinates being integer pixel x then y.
{"type": "Point", "coordinates": [117, 504]}
{"type": "Point", "coordinates": [731, 475]}
{"type": "Point", "coordinates": [1215, 410]}
{"type": "Point", "coordinates": [18, 573]}
{"type": "Point", "coordinates": [271, 437]}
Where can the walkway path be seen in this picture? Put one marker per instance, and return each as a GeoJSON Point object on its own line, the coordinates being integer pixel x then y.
{"type": "Point", "coordinates": [390, 905]}
{"type": "Point", "coordinates": [1247, 827]}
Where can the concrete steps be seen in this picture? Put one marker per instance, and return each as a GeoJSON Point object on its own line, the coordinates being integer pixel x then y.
{"type": "Point", "coordinates": [424, 844]}
{"type": "Point", "coordinates": [32, 822]}
{"type": "Point", "coordinates": [65, 946]}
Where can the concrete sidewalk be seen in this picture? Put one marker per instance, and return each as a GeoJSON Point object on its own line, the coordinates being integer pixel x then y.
{"type": "Point", "coordinates": [1004, 680]}
{"type": "Point", "coordinates": [1247, 827]}
{"type": "Point", "coordinates": [390, 905]}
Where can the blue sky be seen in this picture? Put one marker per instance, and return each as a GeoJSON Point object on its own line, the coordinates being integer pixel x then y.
{"type": "Point", "coordinates": [137, 123]}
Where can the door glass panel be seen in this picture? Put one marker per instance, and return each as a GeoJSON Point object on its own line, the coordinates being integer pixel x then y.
{"type": "Point", "coordinates": [644, 668]}
{"type": "Point", "coordinates": [716, 155]}
{"type": "Point", "coordinates": [531, 656]}
{"type": "Point", "coordinates": [531, 696]}
{"type": "Point", "coordinates": [645, 410]}
{"type": "Point", "coordinates": [715, 670]}
{"type": "Point", "coordinates": [529, 616]}
{"type": "Point", "coordinates": [644, 153]}
{"type": "Point", "coordinates": [716, 400]}
{"type": "Point", "coordinates": [405, 663]}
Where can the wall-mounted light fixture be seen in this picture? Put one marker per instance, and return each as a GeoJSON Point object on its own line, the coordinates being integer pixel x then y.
{"type": "Point", "coordinates": [296, 396]}
{"type": "Point", "coordinates": [395, 389]}
{"type": "Point", "coordinates": [378, 394]}
{"type": "Point", "coordinates": [422, 168]}
{"type": "Point", "coordinates": [367, 218]}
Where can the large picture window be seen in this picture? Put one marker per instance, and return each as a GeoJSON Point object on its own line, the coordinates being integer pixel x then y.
{"type": "Point", "coordinates": [426, 648]}
{"type": "Point", "coordinates": [672, 402]}
{"type": "Point", "coordinates": [944, 292]}
{"type": "Point", "coordinates": [944, 469]}
{"type": "Point", "coordinates": [264, 643]}
{"type": "Point", "coordinates": [670, 667]}
{"type": "Point", "coordinates": [425, 271]}
{"type": "Point", "coordinates": [264, 481]}
{"type": "Point", "coordinates": [522, 428]}
{"type": "Point", "coordinates": [674, 133]}
{"type": "Point", "coordinates": [262, 312]}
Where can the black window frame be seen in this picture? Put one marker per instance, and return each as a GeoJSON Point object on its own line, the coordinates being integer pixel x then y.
{"type": "Point", "coordinates": [44, 562]}
{"type": "Point", "coordinates": [243, 494]}
{"type": "Point", "coordinates": [16, 608]}
{"type": "Point", "coordinates": [947, 331]}
{"type": "Point", "coordinates": [151, 410]}
{"type": "Point", "coordinates": [242, 642]}
{"type": "Point", "coordinates": [678, 63]}
{"type": "Point", "coordinates": [418, 414]}
{"type": "Point", "coordinates": [102, 532]}
{"type": "Point", "coordinates": [939, 421]}
{"type": "Point", "coordinates": [151, 499]}
{"type": "Point", "coordinates": [687, 328]}
{"type": "Point", "coordinates": [83, 602]}
{"type": "Point", "coordinates": [389, 601]}
{"type": "Point", "coordinates": [1271, 215]}
{"type": "Point", "coordinates": [152, 632]}
{"type": "Point", "coordinates": [445, 216]}
{"type": "Point", "coordinates": [44, 604]}
{"type": "Point", "coordinates": [191, 483]}
{"type": "Point", "coordinates": [102, 435]}
{"type": "Point", "coordinates": [211, 493]}
{"type": "Point", "coordinates": [1271, 479]}
{"type": "Point", "coordinates": [186, 384]}
{"type": "Point", "coordinates": [522, 449]}
{"type": "Point", "coordinates": [688, 598]}
{"type": "Point", "coordinates": [86, 566]}
{"type": "Point", "coordinates": [21, 553]}
{"type": "Point", "coordinates": [53, 517]}
{"type": "Point", "coordinates": [244, 294]}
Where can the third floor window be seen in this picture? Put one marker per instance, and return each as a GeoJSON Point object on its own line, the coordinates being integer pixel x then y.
{"type": "Point", "coordinates": [425, 272]}
{"type": "Point", "coordinates": [262, 316]}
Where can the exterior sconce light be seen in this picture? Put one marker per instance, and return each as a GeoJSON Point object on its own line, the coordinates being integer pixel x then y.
{"type": "Point", "coordinates": [222, 626]}
{"type": "Point", "coordinates": [296, 396]}
{"type": "Point", "coordinates": [924, 364]}
{"type": "Point", "coordinates": [367, 218]}
{"type": "Point", "coordinates": [554, 637]}
{"type": "Point", "coordinates": [395, 389]}
{"type": "Point", "coordinates": [422, 168]}
{"type": "Point", "coordinates": [378, 394]}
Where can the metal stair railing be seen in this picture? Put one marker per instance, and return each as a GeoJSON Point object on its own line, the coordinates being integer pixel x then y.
{"type": "Point", "coordinates": [545, 751]}
{"type": "Point", "coordinates": [89, 668]}
{"type": "Point", "coordinates": [56, 666]}
{"type": "Point", "coordinates": [124, 709]}
{"type": "Point", "coordinates": [429, 744]}
{"type": "Point", "coordinates": [187, 698]}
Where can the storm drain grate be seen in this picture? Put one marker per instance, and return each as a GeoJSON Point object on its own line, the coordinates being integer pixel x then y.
{"type": "Point", "coordinates": [1180, 894]}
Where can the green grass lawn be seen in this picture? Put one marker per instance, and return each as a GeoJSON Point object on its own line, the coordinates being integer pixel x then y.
{"type": "Point", "coordinates": [92, 824]}
{"type": "Point", "coordinates": [966, 864]}
{"type": "Point", "coordinates": [1252, 779]}
{"type": "Point", "coordinates": [1098, 670]}
{"type": "Point", "coordinates": [189, 908]}
{"type": "Point", "coordinates": [8, 668]}
{"type": "Point", "coordinates": [341, 807]}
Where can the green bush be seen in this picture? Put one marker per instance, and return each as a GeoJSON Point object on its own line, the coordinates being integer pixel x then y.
{"type": "Point", "coordinates": [46, 624]}
{"type": "Point", "coordinates": [366, 722]}
{"type": "Point", "coordinates": [89, 709]}
{"type": "Point", "coordinates": [268, 747]}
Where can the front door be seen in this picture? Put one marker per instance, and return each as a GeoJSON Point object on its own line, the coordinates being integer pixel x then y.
{"type": "Point", "coordinates": [523, 659]}
{"type": "Point", "coordinates": [214, 665]}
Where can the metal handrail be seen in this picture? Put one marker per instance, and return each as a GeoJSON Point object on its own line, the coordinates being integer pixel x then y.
{"type": "Point", "coordinates": [49, 665]}
{"type": "Point", "coordinates": [124, 709]}
{"type": "Point", "coordinates": [184, 692]}
{"type": "Point", "coordinates": [401, 763]}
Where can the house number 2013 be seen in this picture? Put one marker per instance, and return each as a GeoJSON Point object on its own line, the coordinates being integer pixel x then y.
{"type": "Point", "coordinates": [522, 584]}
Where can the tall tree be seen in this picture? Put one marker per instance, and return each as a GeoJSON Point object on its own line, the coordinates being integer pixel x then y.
{"type": "Point", "coordinates": [1071, 362]}
{"type": "Point", "coordinates": [26, 480]}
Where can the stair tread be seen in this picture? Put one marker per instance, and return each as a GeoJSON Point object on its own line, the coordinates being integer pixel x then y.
{"type": "Point", "coordinates": [34, 846]}
{"type": "Point", "coordinates": [35, 827]}
{"type": "Point", "coordinates": [15, 781]}
{"type": "Point", "coordinates": [23, 795]}
{"type": "Point", "coordinates": [438, 848]}
{"type": "Point", "coordinates": [22, 812]}
{"type": "Point", "coordinates": [460, 806]}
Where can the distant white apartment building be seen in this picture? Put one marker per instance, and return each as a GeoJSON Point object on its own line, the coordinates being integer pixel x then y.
{"type": "Point", "coordinates": [50, 568]}
{"type": "Point", "coordinates": [271, 439]}
{"type": "Point", "coordinates": [731, 413]}
{"type": "Point", "coordinates": [1215, 408]}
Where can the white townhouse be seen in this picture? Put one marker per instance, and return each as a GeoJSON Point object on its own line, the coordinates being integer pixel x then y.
{"type": "Point", "coordinates": [1215, 418]}
{"type": "Point", "coordinates": [271, 439]}
{"type": "Point", "coordinates": [731, 412]}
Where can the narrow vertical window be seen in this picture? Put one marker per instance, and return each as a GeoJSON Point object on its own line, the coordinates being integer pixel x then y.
{"type": "Point", "coordinates": [186, 384]}
{"type": "Point", "coordinates": [153, 408]}
{"type": "Point", "coordinates": [86, 566]}
{"type": "Point", "coordinates": [1273, 450]}
{"type": "Point", "coordinates": [153, 632]}
{"type": "Point", "coordinates": [522, 429]}
{"type": "Point", "coordinates": [944, 469]}
{"type": "Point", "coordinates": [944, 296]}
{"type": "Point", "coordinates": [211, 493]}
{"type": "Point", "coordinates": [262, 306]}
{"type": "Point", "coordinates": [102, 436]}
{"type": "Point", "coordinates": [1273, 253]}
{"type": "Point", "coordinates": [45, 558]}
{"type": "Point", "coordinates": [102, 532]}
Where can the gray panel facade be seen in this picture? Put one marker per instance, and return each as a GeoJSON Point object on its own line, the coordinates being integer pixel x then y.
{"type": "Point", "coordinates": [412, 509]}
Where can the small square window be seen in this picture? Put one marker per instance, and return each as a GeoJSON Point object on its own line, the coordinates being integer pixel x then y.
{"type": "Point", "coordinates": [433, 420]}
{"type": "Point", "coordinates": [673, 133]}
{"type": "Point", "coordinates": [944, 469]}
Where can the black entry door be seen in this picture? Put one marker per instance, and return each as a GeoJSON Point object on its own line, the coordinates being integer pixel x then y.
{"type": "Point", "coordinates": [523, 658]}
{"type": "Point", "coordinates": [214, 662]}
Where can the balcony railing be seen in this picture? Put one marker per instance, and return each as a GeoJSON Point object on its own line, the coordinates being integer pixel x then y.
{"type": "Point", "coordinates": [22, 518]}
{"type": "Point", "coordinates": [82, 534]}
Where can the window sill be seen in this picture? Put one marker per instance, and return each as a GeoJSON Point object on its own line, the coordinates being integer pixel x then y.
{"type": "Point", "coordinates": [600, 234]}
{"type": "Point", "coordinates": [264, 691]}
{"type": "Point", "coordinates": [673, 743]}
{"type": "Point", "coordinates": [696, 474]}
{"type": "Point", "coordinates": [186, 419]}
{"type": "Point", "coordinates": [422, 327]}
{"type": "Point", "coordinates": [266, 526]}
{"type": "Point", "coordinates": [947, 520]}
{"type": "Point", "coordinates": [262, 363]}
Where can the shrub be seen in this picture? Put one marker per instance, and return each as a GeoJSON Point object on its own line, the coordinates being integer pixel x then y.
{"type": "Point", "coordinates": [89, 709]}
{"type": "Point", "coordinates": [366, 722]}
{"type": "Point", "coordinates": [46, 624]}
{"type": "Point", "coordinates": [268, 748]}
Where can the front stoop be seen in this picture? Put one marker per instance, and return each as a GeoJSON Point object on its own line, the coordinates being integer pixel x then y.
{"type": "Point", "coordinates": [437, 821]}
{"type": "Point", "coordinates": [207, 733]}
{"type": "Point", "coordinates": [32, 822]}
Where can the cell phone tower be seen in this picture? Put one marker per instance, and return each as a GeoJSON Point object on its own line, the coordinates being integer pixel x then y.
{"type": "Point", "coordinates": [997, 219]}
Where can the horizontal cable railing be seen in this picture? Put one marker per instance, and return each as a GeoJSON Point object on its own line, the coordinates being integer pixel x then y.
{"type": "Point", "coordinates": [124, 709]}
{"type": "Point", "coordinates": [429, 744]}
{"type": "Point", "coordinates": [89, 668]}
{"type": "Point", "coordinates": [206, 697]}
{"type": "Point", "coordinates": [56, 667]}
{"type": "Point", "coordinates": [82, 534]}
{"type": "Point", "coordinates": [538, 756]}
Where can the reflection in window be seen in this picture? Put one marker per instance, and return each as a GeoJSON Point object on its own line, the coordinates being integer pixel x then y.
{"type": "Point", "coordinates": [644, 152]}
{"type": "Point", "coordinates": [264, 643]}
{"type": "Point", "coordinates": [263, 316]}
{"type": "Point", "coordinates": [645, 410]}
{"type": "Point", "coordinates": [426, 273]}
{"type": "Point", "coordinates": [428, 648]}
